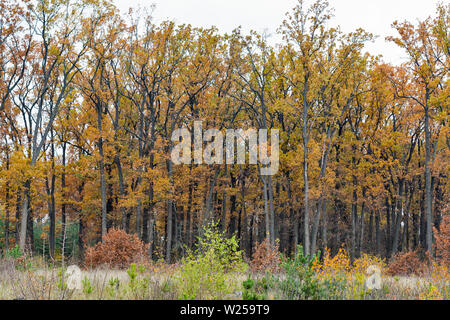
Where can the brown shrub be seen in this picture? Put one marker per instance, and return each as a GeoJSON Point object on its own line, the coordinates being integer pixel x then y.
{"type": "Point", "coordinates": [443, 241]}
{"type": "Point", "coordinates": [265, 258]}
{"type": "Point", "coordinates": [118, 250]}
{"type": "Point", "coordinates": [409, 263]}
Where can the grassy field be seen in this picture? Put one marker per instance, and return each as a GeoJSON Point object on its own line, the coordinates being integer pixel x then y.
{"type": "Point", "coordinates": [36, 279]}
{"type": "Point", "coordinates": [217, 269]}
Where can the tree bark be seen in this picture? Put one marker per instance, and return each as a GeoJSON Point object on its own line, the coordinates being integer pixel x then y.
{"type": "Point", "coordinates": [428, 191]}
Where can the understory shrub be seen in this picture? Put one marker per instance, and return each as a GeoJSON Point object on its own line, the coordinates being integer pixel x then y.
{"type": "Point", "coordinates": [118, 250]}
{"type": "Point", "coordinates": [266, 257]}
{"type": "Point", "coordinates": [257, 289]}
{"type": "Point", "coordinates": [209, 271]}
{"type": "Point", "coordinates": [299, 280]}
{"type": "Point", "coordinates": [409, 263]}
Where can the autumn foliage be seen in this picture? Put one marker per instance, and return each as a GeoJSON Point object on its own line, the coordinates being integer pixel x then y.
{"type": "Point", "coordinates": [117, 250]}
{"type": "Point", "coordinates": [409, 263]}
{"type": "Point", "coordinates": [443, 241]}
{"type": "Point", "coordinates": [91, 101]}
{"type": "Point", "coordinates": [266, 257]}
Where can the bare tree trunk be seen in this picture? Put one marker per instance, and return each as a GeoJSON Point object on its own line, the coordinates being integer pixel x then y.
{"type": "Point", "coordinates": [7, 217]}
{"type": "Point", "coordinates": [306, 238]}
{"type": "Point", "coordinates": [189, 217]}
{"type": "Point", "coordinates": [377, 233]}
{"type": "Point", "coordinates": [271, 211]}
{"type": "Point", "coordinates": [25, 211]}
{"type": "Point", "coordinates": [354, 224]}
{"type": "Point", "coordinates": [306, 242]}
{"type": "Point", "coordinates": [428, 190]}
{"type": "Point", "coordinates": [370, 232]}
{"type": "Point", "coordinates": [398, 217]}
{"type": "Point", "coordinates": [121, 189]}
{"type": "Point", "coordinates": [63, 190]}
{"type": "Point", "coordinates": [151, 223]}
{"type": "Point", "coordinates": [361, 230]}
{"type": "Point", "coordinates": [17, 225]}
{"type": "Point", "coordinates": [102, 173]}
{"type": "Point", "coordinates": [138, 218]}
{"type": "Point", "coordinates": [266, 209]}
{"type": "Point", "coordinates": [324, 225]}
{"type": "Point", "coordinates": [388, 227]}
{"type": "Point", "coordinates": [315, 229]}
{"type": "Point", "coordinates": [169, 215]}
{"type": "Point", "coordinates": [7, 195]}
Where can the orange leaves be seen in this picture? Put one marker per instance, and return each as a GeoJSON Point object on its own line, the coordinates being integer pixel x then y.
{"type": "Point", "coordinates": [409, 263]}
{"type": "Point", "coordinates": [117, 250]}
{"type": "Point", "coordinates": [340, 263]}
{"type": "Point", "coordinates": [266, 258]}
{"type": "Point", "coordinates": [443, 239]}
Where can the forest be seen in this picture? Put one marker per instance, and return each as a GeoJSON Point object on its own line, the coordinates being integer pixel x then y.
{"type": "Point", "coordinates": [90, 98]}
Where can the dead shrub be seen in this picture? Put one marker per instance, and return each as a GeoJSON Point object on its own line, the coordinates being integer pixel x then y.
{"type": "Point", "coordinates": [266, 257]}
{"type": "Point", "coordinates": [409, 263]}
{"type": "Point", "coordinates": [118, 250]}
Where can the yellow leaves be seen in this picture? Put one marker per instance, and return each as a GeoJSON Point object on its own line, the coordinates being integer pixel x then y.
{"type": "Point", "coordinates": [341, 266]}
{"type": "Point", "coordinates": [361, 264]}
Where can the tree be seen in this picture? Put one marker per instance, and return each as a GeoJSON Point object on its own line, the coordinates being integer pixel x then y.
{"type": "Point", "coordinates": [428, 67]}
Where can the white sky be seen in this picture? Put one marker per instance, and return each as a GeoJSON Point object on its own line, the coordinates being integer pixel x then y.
{"type": "Point", "coordinates": [375, 16]}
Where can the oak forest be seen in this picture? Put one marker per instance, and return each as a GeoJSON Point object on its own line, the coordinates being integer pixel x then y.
{"type": "Point", "coordinates": [90, 98]}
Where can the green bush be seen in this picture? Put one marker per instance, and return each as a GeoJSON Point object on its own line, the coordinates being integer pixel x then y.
{"type": "Point", "coordinates": [209, 271]}
{"type": "Point", "coordinates": [138, 285]}
{"type": "Point", "coordinates": [257, 289]}
{"type": "Point", "coordinates": [14, 253]}
{"type": "Point", "coordinates": [299, 281]}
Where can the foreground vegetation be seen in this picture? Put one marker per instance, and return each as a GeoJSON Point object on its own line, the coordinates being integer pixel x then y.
{"type": "Point", "coordinates": [216, 270]}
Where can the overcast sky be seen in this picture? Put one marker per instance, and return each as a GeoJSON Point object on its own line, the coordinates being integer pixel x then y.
{"type": "Point", "coordinates": [375, 16]}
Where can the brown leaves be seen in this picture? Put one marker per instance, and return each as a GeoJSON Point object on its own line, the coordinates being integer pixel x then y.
{"type": "Point", "coordinates": [443, 239]}
{"type": "Point", "coordinates": [409, 263]}
{"type": "Point", "coordinates": [266, 257]}
{"type": "Point", "coordinates": [118, 250]}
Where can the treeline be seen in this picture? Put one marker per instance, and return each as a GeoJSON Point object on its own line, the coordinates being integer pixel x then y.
{"type": "Point", "coordinates": [89, 99]}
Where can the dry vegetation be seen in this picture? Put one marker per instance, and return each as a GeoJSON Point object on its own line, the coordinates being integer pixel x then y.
{"type": "Point", "coordinates": [268, 275]}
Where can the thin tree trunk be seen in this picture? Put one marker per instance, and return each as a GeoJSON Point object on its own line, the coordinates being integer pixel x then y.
{"type": "Point", "coordinates": [169, 215]}
{"type": "Point", "coordinates": [398, 217]}
{"type": "Point", "coordinates": [7, 195]}
{"type": "Point", "coordinates": [102, 174]}
{"type": "Point", "coordinates": [324, 225]}
{"type": "Point", "coordinates": [361, 231]}
{"type": "Point", "coordinates": [377, 233]}
{"type": "Point", "coordinates": [428, 190]}
{"type": "Point", "coordinates": [63, 190]}
{"type": "Point", "coordinates": [25, 212]}
{"type": "Point", "coordinates": [354, 223]}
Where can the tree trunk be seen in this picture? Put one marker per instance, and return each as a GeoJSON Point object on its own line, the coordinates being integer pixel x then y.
{"type": "Point", "coordinates": [361, 230]}
{"type": "Point", "coordinates": [25, 211]}
{"type": "Point", "coordinates": [377, 233]}
{"type": "Point", "coordinates": [398, 217]}
{"type": "Point", "coordinates": [428, 190]}
{"type": "Point", "coordinates": [354, 223]}
{"type": "Point", "coordinates": [63, 191]}
{"type": "Point", "coordinates": [169, 215]}
{"type": "Point", "coordinates": [102, 174]}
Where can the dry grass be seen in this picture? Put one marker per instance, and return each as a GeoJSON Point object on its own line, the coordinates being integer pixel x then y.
{"type": "Point", "coordinates": [37, 281]}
